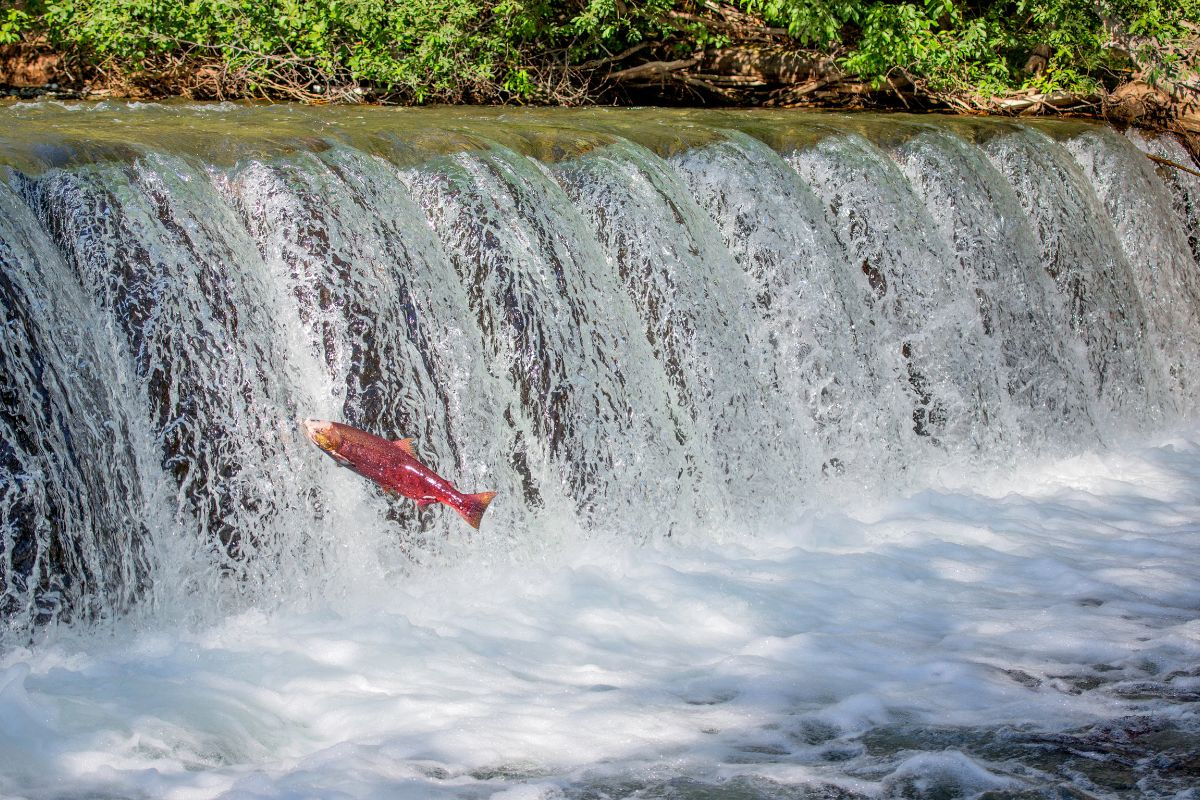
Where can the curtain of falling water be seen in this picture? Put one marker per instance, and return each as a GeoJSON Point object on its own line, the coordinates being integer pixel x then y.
{"type": "Point", "coordinates": [1084, 257]}
{"type": "Point", "coordinates": [638, 325]}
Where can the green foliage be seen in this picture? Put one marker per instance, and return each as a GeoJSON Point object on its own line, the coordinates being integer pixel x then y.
{"type": "Point", "coordinates": [597, 28]}
{"type": "Point", "coordinates": [982, 47]}
{"type": "Point", "coordinates": [422, 50]}
{"type": "Point", "coordinates": [416, 49]}
{"type": "Point", "coordinates": [810, 22]}
{"type": "Point", "coordinates": [13, 25]}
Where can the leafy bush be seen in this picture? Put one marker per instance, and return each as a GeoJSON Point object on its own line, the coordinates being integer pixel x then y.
{"type": "Point", "coordinates": [983, 46]}
{"type": "Point", "coordinates": [420, 49]}
{"type": "Point", "coordinates": [538, 50]}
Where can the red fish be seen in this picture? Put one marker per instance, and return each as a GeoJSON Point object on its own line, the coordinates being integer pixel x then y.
{"type": "Point", "coordinates": [394, 466]}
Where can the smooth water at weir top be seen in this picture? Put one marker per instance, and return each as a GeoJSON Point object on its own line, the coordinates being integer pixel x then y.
{"type": "Point", "coordinates": [837, 455]}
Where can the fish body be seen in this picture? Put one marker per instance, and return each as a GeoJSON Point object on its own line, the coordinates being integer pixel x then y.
{"type": "Point", "coordinates": [394, 466]}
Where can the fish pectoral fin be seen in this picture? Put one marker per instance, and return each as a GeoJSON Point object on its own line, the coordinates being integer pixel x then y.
{"type": "Point", "coordinates": [425, 501]}
{"type": "Point", "coordinates": [406, 445]}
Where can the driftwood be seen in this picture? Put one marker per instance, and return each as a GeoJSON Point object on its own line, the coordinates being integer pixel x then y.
{"type": "Point", "coordinates": [770, 65]}
{"type": "Point", "coordinates": [652, 69]}
{"type": "Point", "coordinates": [1040, 102]}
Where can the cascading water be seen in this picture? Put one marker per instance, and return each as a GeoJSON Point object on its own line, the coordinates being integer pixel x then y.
{"type": "Point", "coordinates": [644, 329]}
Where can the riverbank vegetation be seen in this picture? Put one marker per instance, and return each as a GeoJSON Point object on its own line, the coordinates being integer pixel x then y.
{"type": "Point", "coordinates": [998, 55]}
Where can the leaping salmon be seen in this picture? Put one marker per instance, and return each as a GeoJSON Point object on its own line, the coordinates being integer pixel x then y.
{"type": "Point", "coordinates": [394, 466]}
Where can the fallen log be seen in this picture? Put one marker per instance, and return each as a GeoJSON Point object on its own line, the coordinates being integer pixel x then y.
{"type": "Point", "coordinates": [652, 69]}
{"type": "Point", "coordinates": [771, 65]}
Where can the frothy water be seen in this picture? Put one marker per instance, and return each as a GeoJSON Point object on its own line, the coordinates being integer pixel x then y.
{"type": "Point", "coordinates": [837, 456]}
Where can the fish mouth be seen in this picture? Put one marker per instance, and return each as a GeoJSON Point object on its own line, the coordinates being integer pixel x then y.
{"type": "Point", "coordinates": [322, 434]}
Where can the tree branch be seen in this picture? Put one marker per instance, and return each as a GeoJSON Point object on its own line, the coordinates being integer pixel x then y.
{"type": "Point", "coordinates": [653, 68]}
{"type": "Point", "coordinates": [1166, 162]}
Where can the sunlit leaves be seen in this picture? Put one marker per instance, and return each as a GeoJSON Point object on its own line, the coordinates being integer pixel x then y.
{"type": "Point", "coordinates": [505, 49]}
{"type": "Point", "coordinates": [982, 47]}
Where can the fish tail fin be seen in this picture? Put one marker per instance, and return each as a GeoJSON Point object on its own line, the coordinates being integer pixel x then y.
{"type": "Point", "coordinates": [473, 507]}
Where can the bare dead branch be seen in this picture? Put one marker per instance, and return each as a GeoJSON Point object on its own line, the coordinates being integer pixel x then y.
{"type": "Point", "coordinates": [624, 54]}
{"type": "Point", "coordinates": [653, 68]}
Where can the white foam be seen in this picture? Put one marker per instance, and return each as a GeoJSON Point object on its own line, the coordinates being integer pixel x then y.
{"type": "Point", "coordinates": [982, 605]}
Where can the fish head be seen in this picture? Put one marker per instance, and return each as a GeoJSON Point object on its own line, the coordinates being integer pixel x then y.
{"type": "Point", "coordinates": [323, 434]}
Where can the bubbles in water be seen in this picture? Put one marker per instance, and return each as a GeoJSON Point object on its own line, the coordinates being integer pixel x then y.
{"type": "Point", "coordinates": [622, 341]}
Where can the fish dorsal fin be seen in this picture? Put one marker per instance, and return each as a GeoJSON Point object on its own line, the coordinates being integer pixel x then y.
{"type": "Point", "coordinates": [406, 445]}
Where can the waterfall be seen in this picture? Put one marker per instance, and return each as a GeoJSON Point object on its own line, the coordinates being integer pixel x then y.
{"type": "Point", "coordinates": [638, 324]}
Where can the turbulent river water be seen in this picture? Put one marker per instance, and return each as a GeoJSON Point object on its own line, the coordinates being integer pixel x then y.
{"type": "Point", "coordinates": [837, 456]}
